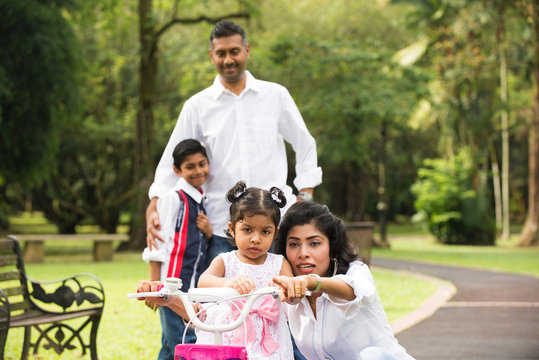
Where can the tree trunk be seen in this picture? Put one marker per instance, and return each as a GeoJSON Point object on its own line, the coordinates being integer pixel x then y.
{"type": "Point", "coordinates": [530, 234]}
{"type": "Point", "coordinates": [496, 187]}
{"type": "Point", "coordinates": [145, 123]}
{"type": "Point", "coordinates": [504, 121]}
{"type": "Point", "coordinates": [356, 197]}
{"type": "Point", "coordinates": [149, 41]}
{"type": "Point", "coordinates": [505, 145]}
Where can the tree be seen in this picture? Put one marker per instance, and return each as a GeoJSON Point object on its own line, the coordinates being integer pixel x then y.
{"type": "Point", "coordinates": [150, 33]}
{"type": "Point", "coordinates": [530, 232]}
{"type": "Point", "coordinates": [351, 93]}
{"type": "Point", "coordinates": [476, 48]}
{"type": "Point", "coordinates": [38, 88]}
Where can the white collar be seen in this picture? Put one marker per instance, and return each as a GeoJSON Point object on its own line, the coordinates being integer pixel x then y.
{"type": "Point", "coordinates": [217, 89]}
{"type": "Point", "coordinates": [192, 191]}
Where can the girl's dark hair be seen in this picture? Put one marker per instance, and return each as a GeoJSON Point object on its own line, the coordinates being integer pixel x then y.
{"type": "Point", "coordinates": [307, 212]}
{"type": "Point", "coordinates": [246, 202]}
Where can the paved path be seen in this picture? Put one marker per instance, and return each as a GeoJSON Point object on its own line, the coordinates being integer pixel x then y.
{"type": "Point", "coordinates": [492, 316]}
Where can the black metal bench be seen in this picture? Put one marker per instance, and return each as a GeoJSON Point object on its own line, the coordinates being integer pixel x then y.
{"type": "Point", "coordinates": [47, 306]}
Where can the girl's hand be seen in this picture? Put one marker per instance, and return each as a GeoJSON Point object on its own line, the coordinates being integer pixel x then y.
{"type": "Point", "coordinates": [242, 284]}
{"type": "Point", "coordinates": [203, 224]}
{"type": "Point", "coordinates": [292, 288]}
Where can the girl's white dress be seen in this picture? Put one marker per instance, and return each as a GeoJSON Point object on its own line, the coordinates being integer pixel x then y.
{"type": "Point", "coordinates": [268, 334]}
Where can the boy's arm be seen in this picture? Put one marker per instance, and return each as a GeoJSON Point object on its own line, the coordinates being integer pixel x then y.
{"type": "Point", "coordinates": [152, 224]}
{"type": "Point", "coordinates": [155, 270]}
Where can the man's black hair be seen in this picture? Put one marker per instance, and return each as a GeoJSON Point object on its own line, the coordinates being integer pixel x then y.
{"type": "Point", "coordinates": [225, 28]}
{"type": "Point", "coordinates": [185, 148]}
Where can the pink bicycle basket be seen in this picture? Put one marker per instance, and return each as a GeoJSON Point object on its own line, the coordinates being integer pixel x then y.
{"type": "Point", "coordinates": [209, 352]}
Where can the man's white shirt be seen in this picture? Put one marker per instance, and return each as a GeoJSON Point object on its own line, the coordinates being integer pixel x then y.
{"type": "Point", "coordinates": [243, 135]}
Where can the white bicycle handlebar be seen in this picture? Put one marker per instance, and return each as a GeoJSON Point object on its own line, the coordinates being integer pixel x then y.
{"type": "Point", "coordinates": [216, 295]}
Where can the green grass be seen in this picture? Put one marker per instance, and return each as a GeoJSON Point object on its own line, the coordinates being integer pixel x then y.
{"type": "Point", "coordinates": [401, 294]}
{"type": "Point", "coordinates": [505, 256]}
{"type": "Point", "coordinates": [128, 329]}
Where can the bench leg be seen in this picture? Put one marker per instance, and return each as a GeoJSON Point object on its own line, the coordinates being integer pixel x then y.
{"type": "Point", "coordinates": [26, 342]}
{"type": "Point", "coordinates": [93, 337]}
{"type": "Point", "coordinates": [33, 252]}
{"type": "Point", "coordinates": [103, 250]}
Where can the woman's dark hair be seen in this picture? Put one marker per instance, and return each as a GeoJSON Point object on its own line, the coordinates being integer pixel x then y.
{"type": "Point", "coordinates": [246, 202]}
{"type": "Point", "coordinates": [307, 212]}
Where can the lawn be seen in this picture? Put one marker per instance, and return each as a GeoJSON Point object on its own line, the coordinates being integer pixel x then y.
{"type": "Point", "coordinates": [505, 256]}
{"type": "Point", "coordinates": [128, 329]}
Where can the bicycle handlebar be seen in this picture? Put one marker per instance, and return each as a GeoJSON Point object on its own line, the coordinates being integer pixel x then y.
{"type": "Point", "coordinates": [216, 295]}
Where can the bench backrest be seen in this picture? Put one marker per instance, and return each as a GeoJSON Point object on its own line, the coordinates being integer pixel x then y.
{"type": "Point", "coordinates": [75, 293]}
{"type": "Point", "coordinates": [13, 277]}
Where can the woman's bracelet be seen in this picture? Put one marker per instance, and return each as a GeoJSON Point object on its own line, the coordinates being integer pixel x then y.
{"type": "Point", "coordinates": [318, 284]}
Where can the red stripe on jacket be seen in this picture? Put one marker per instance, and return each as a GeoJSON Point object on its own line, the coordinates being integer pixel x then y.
{"type": "Point", "coordinates": [176, 256]}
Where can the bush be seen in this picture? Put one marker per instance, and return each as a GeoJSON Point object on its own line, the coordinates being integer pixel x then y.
{"type": "Point", "coordinates": [453, 203]}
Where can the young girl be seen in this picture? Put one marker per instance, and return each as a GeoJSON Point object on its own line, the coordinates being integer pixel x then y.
{"type": "Point", "coordinates": [343, 317]}
{"type": "Point", "coordinates": [254, 218]}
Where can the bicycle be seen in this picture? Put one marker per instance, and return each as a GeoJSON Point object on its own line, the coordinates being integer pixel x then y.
{"type": "Point", "coordinates": [215, 296]}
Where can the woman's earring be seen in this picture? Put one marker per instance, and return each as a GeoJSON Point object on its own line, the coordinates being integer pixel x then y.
{"type": "Point", "coordinates": [335, 265]}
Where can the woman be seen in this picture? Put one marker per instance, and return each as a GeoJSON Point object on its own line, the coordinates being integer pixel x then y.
{"type": "Point", "coordinates": [343, 317]}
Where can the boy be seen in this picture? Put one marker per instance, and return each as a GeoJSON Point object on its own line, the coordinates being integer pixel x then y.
{"type": "Point", "coordinates": [186, 230]}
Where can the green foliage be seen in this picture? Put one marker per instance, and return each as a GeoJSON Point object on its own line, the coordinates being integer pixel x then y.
{"type": "Point", "coordinates": [38, 90]}
{"type": "Point", "coordinates": [451, 202]}
{"type": "Point", "coordinates": [93, 181]}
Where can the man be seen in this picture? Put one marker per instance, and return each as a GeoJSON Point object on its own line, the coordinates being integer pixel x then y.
{"type": "Point", "coordinates": [242, 122]}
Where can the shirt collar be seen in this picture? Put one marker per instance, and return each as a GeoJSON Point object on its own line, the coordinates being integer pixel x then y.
{"type": "Point", "coordinates": [192, 191]}
{"type": "Point", "coordinates": [217, 89]}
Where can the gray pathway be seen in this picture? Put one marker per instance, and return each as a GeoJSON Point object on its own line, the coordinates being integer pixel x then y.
{"type": "Point", "coordinates": [493, 316]}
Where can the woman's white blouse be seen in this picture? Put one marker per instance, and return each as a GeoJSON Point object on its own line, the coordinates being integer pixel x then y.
{"type": "Point", "coordinates": [342, 329]}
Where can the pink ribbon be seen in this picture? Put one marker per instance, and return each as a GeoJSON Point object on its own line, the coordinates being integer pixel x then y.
{"type": "Point", "coordinates": [269, 312]}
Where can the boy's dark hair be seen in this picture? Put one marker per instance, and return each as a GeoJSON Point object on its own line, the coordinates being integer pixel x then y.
{"type": "Point", "coordinates": [246, 202]}
{"type": "Point", "coordinates": [185, 148]}
{"type": "Point", "coordinates": [225, 28]}
{"type": "Point", "coordinates": [307, 212]}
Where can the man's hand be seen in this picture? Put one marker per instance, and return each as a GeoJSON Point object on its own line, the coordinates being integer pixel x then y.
{"type": "Point", "coordinates": [305, 194]}
{"type": "Point", "coordinates": [203, 224]}
{"type": "Point", "coordinates": [152, 225]}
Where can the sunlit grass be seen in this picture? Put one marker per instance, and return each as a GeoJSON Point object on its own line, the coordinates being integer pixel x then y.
{"type": "Point", "coordinates": [129, 330]}
{"type": "Point", "coordinates": [401, 294]}
{"type": "Point", "coordinates": [505, 256]}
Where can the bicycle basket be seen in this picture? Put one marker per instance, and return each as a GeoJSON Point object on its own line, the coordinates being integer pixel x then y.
{"type": "Point", "coordinates": [209, 352]}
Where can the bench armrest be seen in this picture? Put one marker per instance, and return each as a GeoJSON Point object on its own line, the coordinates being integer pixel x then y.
{"type": "Point", "coordinates": [75, 293]}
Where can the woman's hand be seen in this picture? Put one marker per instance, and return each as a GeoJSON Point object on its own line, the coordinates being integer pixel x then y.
{"type": "Point", "coordinates": [242, 284]}
{"type": "Point", "coordinates": [292, 288]}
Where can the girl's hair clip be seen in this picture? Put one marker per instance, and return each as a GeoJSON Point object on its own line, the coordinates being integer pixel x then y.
{"type": "Point", "coordinates": [277, 196]}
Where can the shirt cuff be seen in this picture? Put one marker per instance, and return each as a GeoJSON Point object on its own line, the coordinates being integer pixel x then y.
{"type": "Point", "coordinates": [309, 179]}
{"type": "Point", "coordinates": [152, 255]}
